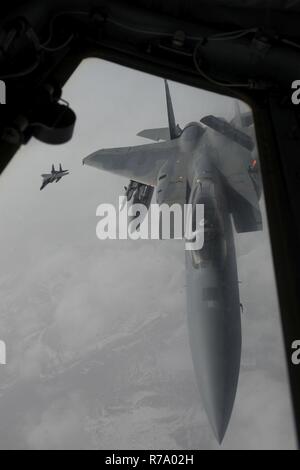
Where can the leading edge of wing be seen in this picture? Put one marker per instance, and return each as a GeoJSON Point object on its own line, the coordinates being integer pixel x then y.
{"type": "Point", "coordinates": [141, 163]}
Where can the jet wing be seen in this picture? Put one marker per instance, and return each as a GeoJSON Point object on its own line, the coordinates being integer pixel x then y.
{"type": "Point", "coordinates": [227, 130]}
{"type": "Point", "coordinates": [141, 163]}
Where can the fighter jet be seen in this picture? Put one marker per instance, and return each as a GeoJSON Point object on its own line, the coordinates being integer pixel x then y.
{"type": "Point", "coordinates": [212, 162]}
{"type": "Point", "coordinates": [54, 176]}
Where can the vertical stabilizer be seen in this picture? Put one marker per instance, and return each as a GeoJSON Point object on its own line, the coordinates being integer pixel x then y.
{"type": "Point", "coordinates": [171, 116]}
{"type": "Point", "coordinates": [238, 115]}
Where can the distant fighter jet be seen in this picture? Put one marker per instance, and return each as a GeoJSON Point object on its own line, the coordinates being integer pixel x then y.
{"type": "Point", "coordinates": [214, 163]}
{"type": "Point", "coordinates": [54, 176]}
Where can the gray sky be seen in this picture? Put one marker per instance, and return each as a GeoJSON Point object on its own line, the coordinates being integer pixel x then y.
{"type": "Point", "coordinates": [98, 354]}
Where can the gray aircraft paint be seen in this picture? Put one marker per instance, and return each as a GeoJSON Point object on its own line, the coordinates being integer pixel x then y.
{"type": "Point", "coordinates": [54, 176]}
{"type": "Point", "coordinates": [200, 165]}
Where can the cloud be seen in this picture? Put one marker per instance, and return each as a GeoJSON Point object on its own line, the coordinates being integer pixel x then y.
{"type": "Point", "coordinates": [96, 331]}
{"type": "Point", "coordinates": [61, 427]}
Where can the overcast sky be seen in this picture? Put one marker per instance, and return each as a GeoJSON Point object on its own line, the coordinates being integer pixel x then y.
{"type": "Point", "coordinates": [98, 354]}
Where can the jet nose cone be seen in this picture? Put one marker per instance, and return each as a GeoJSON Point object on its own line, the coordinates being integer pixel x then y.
{"type": "Point", "coordinates": [218, 388]}
{"type": "Point", "coordinates": [215, 338]}
{"type": "Point", "coordinates": [219, 411]}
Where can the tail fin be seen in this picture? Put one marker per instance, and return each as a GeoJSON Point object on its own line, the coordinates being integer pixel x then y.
{"type": "Point", "coordinates": [238, 114]}
{"type": "Point", "coordinates": [53, 169]}
{"type": "Point", "coordinates": [156, 134]}
{"type": "Point", "coordinates": [174, 129]}
{"type": "Point", "coordinates": [241, 119]}
{"type": "Point", "coordinates": [60, 168]}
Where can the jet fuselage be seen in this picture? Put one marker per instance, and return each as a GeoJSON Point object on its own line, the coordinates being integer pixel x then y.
{"type": "Point", "coordinates": [211, 163]}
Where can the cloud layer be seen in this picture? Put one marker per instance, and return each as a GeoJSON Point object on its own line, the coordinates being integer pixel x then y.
{"type": "Point", "coordinates": [96, 331]}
